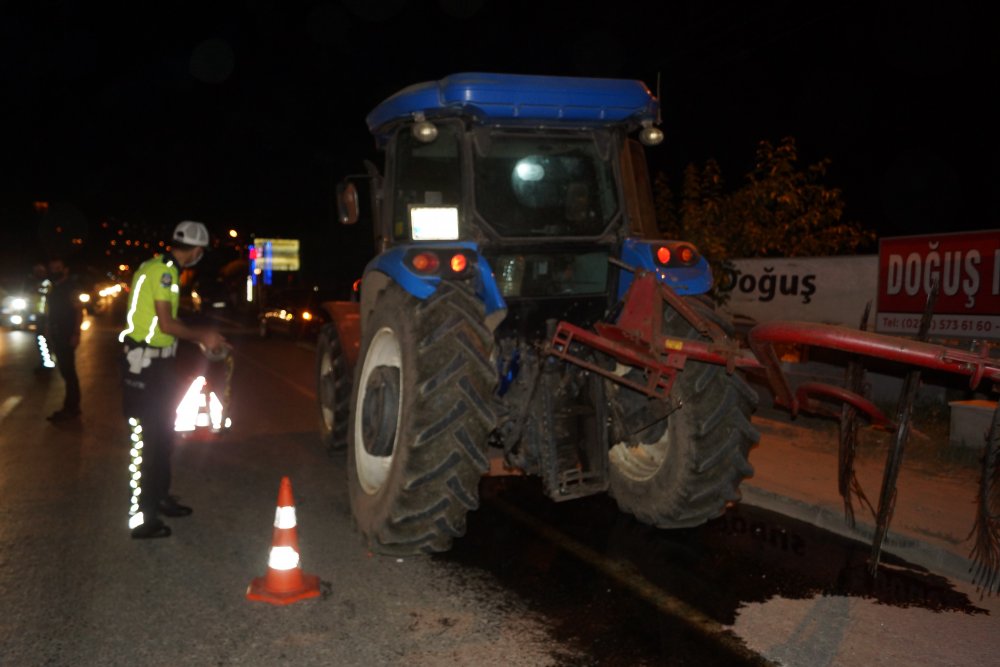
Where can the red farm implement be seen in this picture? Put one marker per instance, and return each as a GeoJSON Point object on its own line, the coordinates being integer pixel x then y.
{"type": "Point", "coordinates": [636, 339]}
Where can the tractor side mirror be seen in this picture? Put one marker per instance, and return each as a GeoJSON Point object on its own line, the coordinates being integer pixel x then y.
{"type": "Point", "coordinates": [348, 209]}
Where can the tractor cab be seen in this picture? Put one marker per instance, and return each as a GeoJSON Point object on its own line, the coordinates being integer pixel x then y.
{"type": "Point", "coordinates": [543, 177]}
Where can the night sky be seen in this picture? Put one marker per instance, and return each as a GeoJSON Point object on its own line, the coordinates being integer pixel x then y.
{"type": "Point", "coordinates": [245, 114]}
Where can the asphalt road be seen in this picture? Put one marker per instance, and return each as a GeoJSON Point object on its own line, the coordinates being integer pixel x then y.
{"type": "Point", "coordinates": [532, 583]}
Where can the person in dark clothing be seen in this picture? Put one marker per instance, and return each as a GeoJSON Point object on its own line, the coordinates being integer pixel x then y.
{"type": "Point", "coordinates": [63, 317]}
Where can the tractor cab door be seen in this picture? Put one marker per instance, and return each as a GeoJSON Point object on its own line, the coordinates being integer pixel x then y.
{"type": "Point", "coordinates": [424, 185]}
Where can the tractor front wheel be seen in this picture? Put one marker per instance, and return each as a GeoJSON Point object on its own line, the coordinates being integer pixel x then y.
{"type": "Point", "coordinates": [333, 387]}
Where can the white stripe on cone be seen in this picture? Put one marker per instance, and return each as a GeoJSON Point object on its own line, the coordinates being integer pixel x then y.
{"type": "Point", "coordinates": [283, 558]}
{"type": "Point", "coordinates": [284, 518]}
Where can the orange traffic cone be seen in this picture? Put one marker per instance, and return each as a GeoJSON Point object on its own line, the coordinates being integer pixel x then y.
{"type": "Point", "coordinates": [284, 582]}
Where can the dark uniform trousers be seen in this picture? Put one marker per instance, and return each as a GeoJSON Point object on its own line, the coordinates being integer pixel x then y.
{"type": "Point", "coordinates": [66, 362]}
{"type": "Point", "coordinates": [149, 401]}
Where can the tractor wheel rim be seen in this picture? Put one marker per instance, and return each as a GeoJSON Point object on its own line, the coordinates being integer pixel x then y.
{"type": "Point", "coordinates": [326, 388]}
{"type": "Point", "coordinates": [379, 407]}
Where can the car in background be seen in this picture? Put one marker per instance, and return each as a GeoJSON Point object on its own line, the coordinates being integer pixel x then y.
{"type": "Point", "coordinates": [21, 304]}
{"type": "Point", "coordinates": [16, 311]}
{"type": "Point", "coordinates": [296, 312]}
{"type": "Point", "coordinates": [98, 290]}
{"type": "Point", "coordinates": [101, 296]}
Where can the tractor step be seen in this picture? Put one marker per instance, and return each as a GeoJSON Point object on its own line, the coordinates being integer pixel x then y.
{"type": "Point", "coordinates": [577, 483]}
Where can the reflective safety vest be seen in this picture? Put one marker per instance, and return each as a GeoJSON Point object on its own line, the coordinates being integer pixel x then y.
{"type": "Point", "coordinates": [156, 279]}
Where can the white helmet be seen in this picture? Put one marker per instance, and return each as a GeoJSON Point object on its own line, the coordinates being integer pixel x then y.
{"type": "Point", "coordinates": [191, 233]}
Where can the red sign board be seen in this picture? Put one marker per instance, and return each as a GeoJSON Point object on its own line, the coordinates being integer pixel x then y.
{"type": "Point", "coordinates": [967, 268]}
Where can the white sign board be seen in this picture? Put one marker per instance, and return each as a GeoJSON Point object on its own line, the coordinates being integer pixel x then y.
{"type": "Point", "coordinates": [828, 290]}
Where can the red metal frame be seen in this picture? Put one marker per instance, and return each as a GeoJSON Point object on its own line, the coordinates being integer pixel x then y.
{"type": "Point", "coordinates": [636, 339]}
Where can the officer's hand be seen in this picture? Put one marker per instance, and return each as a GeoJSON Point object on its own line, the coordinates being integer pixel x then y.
{"type": "Point", "coordinates": [215, 341]}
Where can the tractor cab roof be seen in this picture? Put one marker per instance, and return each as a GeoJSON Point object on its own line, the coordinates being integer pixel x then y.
{"type": "Point", "coordinates": [515, 99]}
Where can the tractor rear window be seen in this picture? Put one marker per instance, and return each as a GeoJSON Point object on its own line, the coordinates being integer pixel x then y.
{"type": "Point", "coordinates": [534, 185]}
{"type": "Point", "coordinates": [552, 274]}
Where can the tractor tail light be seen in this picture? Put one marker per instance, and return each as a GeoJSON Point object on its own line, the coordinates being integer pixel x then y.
{"type": "Point", "coordinates": [443, 262]}
{"type": "Point", "coordinates": [675, 255]}
{"type": "Point", "coordinates": [663, 255]}
{"type": "Point", "coordinates": [458, 263]}
{"type": "Point", "coordinates": [425, 262]}
{"type": "Point", "coordinates": [687, 255]}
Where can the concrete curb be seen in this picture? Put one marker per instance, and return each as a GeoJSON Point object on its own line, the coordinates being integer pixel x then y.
{"type": "Point", "coordinates": [933, 555]}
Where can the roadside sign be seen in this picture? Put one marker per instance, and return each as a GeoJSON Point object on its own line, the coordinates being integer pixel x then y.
{"type": "Point", "coordinates": [269, 255]}
{"type": "Point", "coordinates": [829, 290]}
{"type": "Point", "coordinates": [967, 266]}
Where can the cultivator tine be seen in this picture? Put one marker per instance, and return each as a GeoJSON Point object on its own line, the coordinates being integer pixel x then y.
{"type": "Point", "coordinates": [904, 414]}
{"type": "Point", "coordinates": [887, 498]}
{"type": "Point", "coordinates": [985, 553]}
{"type": "Point", "coordinates": [847, 481]}
{"type": "Point", "coordinates": [848, 446]}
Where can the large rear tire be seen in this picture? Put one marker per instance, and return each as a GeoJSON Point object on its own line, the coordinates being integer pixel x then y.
{"type": "Point", "coordinates": [692, 471]}
{"type": "Point", "coordinates": [420, 419]}
{"type": "Point", "coordinates": [333, 388]}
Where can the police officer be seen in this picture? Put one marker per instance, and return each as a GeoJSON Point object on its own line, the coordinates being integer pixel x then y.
{"type": "Point", "coordinates": [149, 391]}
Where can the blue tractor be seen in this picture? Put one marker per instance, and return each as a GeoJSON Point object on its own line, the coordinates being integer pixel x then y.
{"type": "Point", "coordinates": [511, 210]}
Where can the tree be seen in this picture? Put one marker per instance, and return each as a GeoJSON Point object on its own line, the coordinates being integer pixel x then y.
{"type": "Point", "coordinates": [781, 211]}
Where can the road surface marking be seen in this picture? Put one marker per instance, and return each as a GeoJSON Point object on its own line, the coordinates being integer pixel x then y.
{"type": "Point", "coordinates": [8, 406]}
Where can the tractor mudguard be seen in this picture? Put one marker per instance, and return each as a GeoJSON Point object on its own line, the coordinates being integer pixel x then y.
{"type": "Point", "coordinates": [346, 319]}
{"type": "Point", "coordinates": [393, 263]}
{"type": "Point", "coordinates": [684, 280]}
